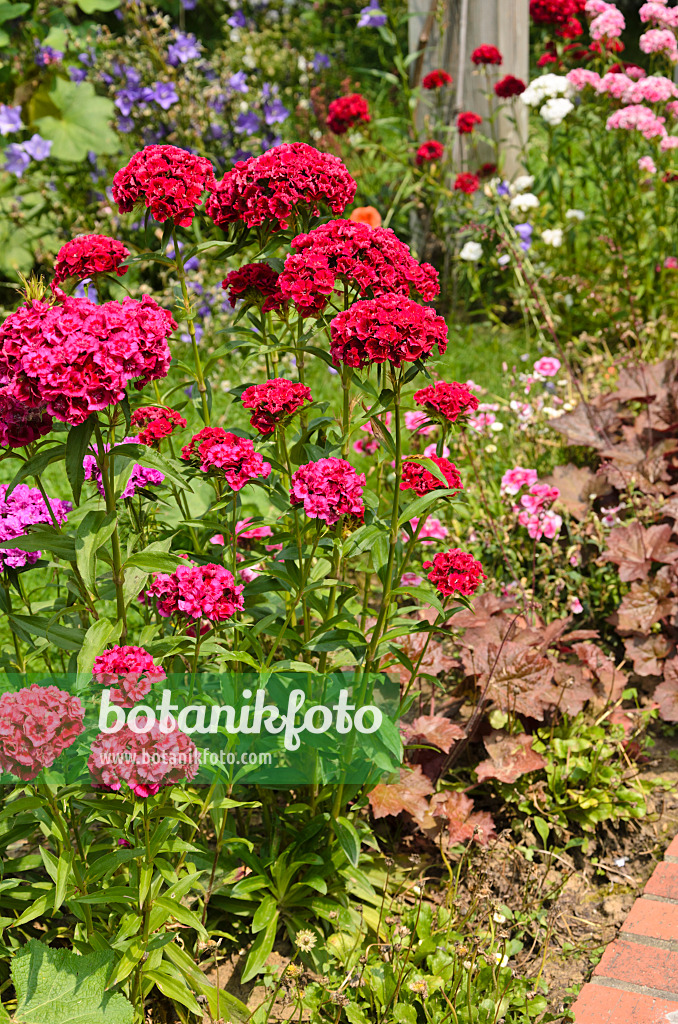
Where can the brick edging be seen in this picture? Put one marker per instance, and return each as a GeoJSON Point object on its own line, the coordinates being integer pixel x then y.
{"type": "Point", "coordinates": [636, 981]}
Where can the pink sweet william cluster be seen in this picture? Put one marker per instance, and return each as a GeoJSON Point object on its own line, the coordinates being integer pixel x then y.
{"type": "Point", "coordinates": [660, 40]}
{"type": "Point", "coordinates": [21, 424]}
{"type": "Point", "coordinates": [432, 529]}
{"type": "Point", "coordinates": [37, 724]}
{"type": "Point", "coordinates": [156, 422]}
{"type": "Point", "coordinates": [166, 180]}
{"type": "Point", "coordinates": [455, 572]}
{"type": "Point", "coordinates": [141, 476]}
{"type": "Point", "coordinates": [608, 21]}
{"type": "Point", "coordinates": [145, 761]}
{"type": "Point", "coordinates": [196, 592]}
{"type": "Point", "coordinates": [534, 513]}
{"type": "Point", "coordinates": [366, 259]}
{"type": "Point", "coordinates": [417, 478]}
{"type": "Point", "coordinates": [657, 12]}
{"type": "Point", "coordinates": [637, 118]}
{"type": "Point", "coordinates": [449, 401]}
{"type": "Point", "coordinates": [347, 111]}
{"type": "Point", "coordinates": [77, 357]}
{"type": "Point", "coordinates": [129, 671]}
{"type": "Point", "coordinates": [277, 186]}
{"type": "Point", "coordinates": [215, 450]}
{"type": "Point", "coordinates": [391, 329]}
{"type": "Point", "coordinates": [255, 284]}
{"type": "Point", "coordinates": [515, 479]}
{"type": "Point", "coordinates": [25, 507]}
{"type": "Point", "coordinates": [86, 255]}
{"type": "Point", "coordinates": [328, 489]}
{"type": "Point", "coordinates": [274, 402]}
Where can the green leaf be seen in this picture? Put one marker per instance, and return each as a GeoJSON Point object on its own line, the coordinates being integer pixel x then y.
{"type": "Point", "coordinates": [35, 465]}
{"type": "Point", "coordinates": [55, 986]}
{"type": "Point", "coordinates": [90, 6]}
{"type": "Point", "coordinates": [146, 456]}
{"type": "Point", "coordinates": [82, 124]}
{"type": "Point", "coordinates": [262, 947]}
{"type": "Point", "coordinates": [174, 989]}
{"type": "Point", "coordinates": [543, 830]}
{"type": "Point", "coordinates": [264, 913]}
{"type": "Point", "coordinates": [99, 635]}
{"type": "Point", "coordinates": [155, 561]}
{"type": "Point", "coordinates": [67, 638]}
{"type": "Point", "coordinates": [92, 533]}
{"type": "Point", "coordinates": [77, 444]}
{"type": "Point", "coordinates": [8, 12]}
{"type": "Point", "coordinates": [349, 840]}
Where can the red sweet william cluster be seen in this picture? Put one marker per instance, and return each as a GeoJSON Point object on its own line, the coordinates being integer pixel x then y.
{"type": "Point", "coordinates": [368, 259]}
{"type": "Point", "coordinates": [391, 328]}
{"type": "Point", "coordinates": [417, 478]}
{"type": "Point", "coordinates": [156, 422]}
{"type": "Point", "coordinates": [555, 12]}
{"type": "Point", "coordinates": [130, 671]}
{"type": "Point", "coordinates": [455, 572]}
{"type": "Point", "coordinates": [20, 424]}
{"type": "Point", "coordinates": [146, 761]}
{"type": "Point", "coordinates": [256, 284]}
{"type": "Point", "coordinates": [78, 357]}
{"type": "Point", "coordinates": [167, 180]}
{"type": "Point", "coordinates": [435, 79]}
{"type": "Point", "coordinates": [467, 183]}
{"type": "Point", "coordinates": [448, 400]}
{"type": "Point", "coordinates": [328, 489]}
{"type": "Point", "coordinates": [487, 54]}
{"type": "Point", "coordinates": [233, 457]}
{"type": "Point", "coordinates": [428, 152]}
{"type": "Point", "coordinates": [37, 724]}
{"type": "Point", "coordinates": [346, 111]}
{"type": "Point", "coordinates": [269, 189]}
{"type": "Point", "coordinates": [466, 122]}
{"type": "Point", "coordinates": [509, 86]}
{"type": "Point", "coordinates": [196, 592]}
{"type": "Point", "coordinates": [274, 401]}
{"type": "Point", "coordinates": [87, 255]}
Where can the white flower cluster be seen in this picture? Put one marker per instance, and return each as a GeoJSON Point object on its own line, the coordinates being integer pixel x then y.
{"type": "Point", "coordinates": [471, 251]}
{"type": "Point", "coordinates": [551, 93]}
{"type": "Point", "coordinates": [523, 202]}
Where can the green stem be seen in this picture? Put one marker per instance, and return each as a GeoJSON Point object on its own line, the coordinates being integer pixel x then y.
{"type": "Point", "coordinates": [106, 462]}
{"type": "Point", "coordinates": [181, 274]}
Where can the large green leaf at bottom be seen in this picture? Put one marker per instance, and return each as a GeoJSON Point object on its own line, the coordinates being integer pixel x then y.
{"type": "Point", "coordinates": [82, 124]}
{"type": "Point", "coordinates": [55, 986]}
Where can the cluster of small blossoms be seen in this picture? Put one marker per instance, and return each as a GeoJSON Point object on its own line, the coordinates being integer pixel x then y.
{"type": "Point", "coordinates": [608, 21]}
{"type": "Point", "coordinates": [417, 478]}
{"type": "Point", "coordinates": [328, 489]}
{"type": "Point", "coordinates": [255, 284]}
{"type": "Point", "coordinates": [37, 723]}
{"type": "Point", "coordinates": [145, 760]}
{"type": "Point", "coordinates": [551, 93]}
{"type": "Point", "coordinates": [509, 86]}
{"type": "Point", "coordinates": [21, 424]}
{"type": "Point", "coordinates": [234, 458]}
{"type": "Point", "coordinates": [429, 152]}
{"type": "Point", "coordinates": [657, 12]}
{"type": "Point", "coordinates": [86, 255]}
{"type": "Point", "coordinates": [129, 671]}
{"type": "Point", "coordinates": [274, 402]}
{"type": "Point", "coordinates": [25, 507]}
{"type": "Point", "coordinates": [391, 328]}
{"type": "Point", "coordinates": [455, 572]}
{"type": "Point", "coordinates": [364, 258]}
{"type": "Point", "coordinates": [534, 510]}
{"type": "Point", "coordinates": [78, 357]}
{"type": "Point", "coordinates": [487, 54]}
{"type": "Point", "coordinates": [467, 121]}
{"type": "Point", "coordinates": [166, 180]}
{"type": "Point", "coordinates": [156, 422]}
{"type": "Point", "coordinates": [449, 401]}
{"type": "Point", "coordinates": [347, 111]}
{"type": "Point", "coordinates": [431, 530]}
{"type": "Point", "coordinates": [467, 183]}
{"type": "Point", "coordinates": [196, 592]}
{"type": "Point", "coordinates": [268, 189]}
{"type": "Point", "coordinates": [436, 79]}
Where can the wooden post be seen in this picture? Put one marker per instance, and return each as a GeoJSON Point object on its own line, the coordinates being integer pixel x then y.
{"type": "Point", "coordinates": [452, 29]}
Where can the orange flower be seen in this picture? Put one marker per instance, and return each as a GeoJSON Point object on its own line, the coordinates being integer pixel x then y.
{"type": "Point", "coordinates": [366, 215]}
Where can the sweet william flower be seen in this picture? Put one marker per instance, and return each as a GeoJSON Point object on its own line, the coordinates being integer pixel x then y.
{"type": "Point", "coordinates": [487, 54]}
{"type": "Point", "coordinates": [436, 79]}
{"type": "Point", "coordinates": [145, 761]}
{"type": "Point", "coordinates": [509, 86]}
{"type": "Point", "coordinates": [274, 402]}
{"type": "Point", "coordinates": [547, 366]}
{"type": "Point", "coordinates": [450, 401]}
{"type": "Point", "coordinates": [156, 422]}
{"type": "Point", "coordinates": [467, 183]}
{"type": "Point", "coordinates": [217, 451]}
{"type": "Point", "coordinates": [416, 477]}
{"type": "Point", "coordinates": [467, 121]}
{"type": "Point", "coordinates": [455, 572]}
{"type": "Point", "coordinates": [256, 284]}
{"type": "Point", "coordinates": [37, 723]}
{"type": "Point", "coordinates": [347, 111]}
{"type": "Point", "coordinates": [391, 328]}
{"type": "Point", "coordinates": [328, 489]}
{"type": "Point", "coordinates": [129, 672]}
{"type": "Point", "coordinates": [86, 255]}
{"type": "Point", "coordinates": [429, 152]}
{"type": "Point", "coordinates": [21, 423]}
{"type": "Point", "coordinates": [515, 479]}
{"type": "Point", "coordinates": [196, 592]}
{"type": "Point", "coordinates": [167, 180]}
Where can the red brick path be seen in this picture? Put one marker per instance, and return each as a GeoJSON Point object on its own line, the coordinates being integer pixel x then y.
{"type": "Point", "coordinates": [636, 982]}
